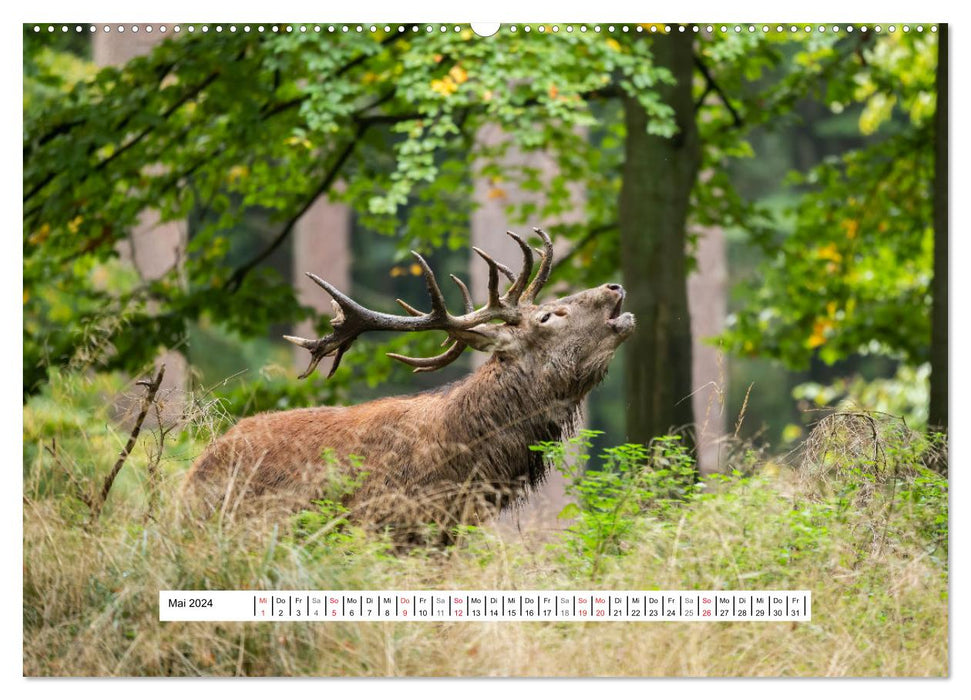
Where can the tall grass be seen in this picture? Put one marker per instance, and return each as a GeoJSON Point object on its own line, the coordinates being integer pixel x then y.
{"type": "Point", "coordinates": [876, 566]}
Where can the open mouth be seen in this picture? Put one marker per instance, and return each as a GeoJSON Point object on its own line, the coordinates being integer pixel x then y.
{"type": "Point", "coordinates": [617, 307]}
{"type": "Point", "coordinates": [619, 322]}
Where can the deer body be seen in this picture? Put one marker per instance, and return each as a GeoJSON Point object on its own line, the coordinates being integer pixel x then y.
{"type": "Point", "coordinates": [448, 455]}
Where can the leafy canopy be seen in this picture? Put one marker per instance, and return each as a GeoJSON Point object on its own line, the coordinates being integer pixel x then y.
{"type": "Point", "coordinates": [212, 128]}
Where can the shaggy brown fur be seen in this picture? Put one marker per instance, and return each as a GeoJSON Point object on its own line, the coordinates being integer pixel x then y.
{"type": "Point", "coordinates": [446, 455]}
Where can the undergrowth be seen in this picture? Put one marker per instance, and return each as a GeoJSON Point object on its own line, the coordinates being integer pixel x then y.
{"type": "Point", "coordinates": [861, 522]}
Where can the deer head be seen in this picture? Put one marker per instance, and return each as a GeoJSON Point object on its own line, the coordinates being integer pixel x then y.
{"type": "Point", "coordinates": [572, 338]}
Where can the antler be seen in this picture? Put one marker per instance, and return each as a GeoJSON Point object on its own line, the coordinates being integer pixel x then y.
{"type": "Point", "coordinates": [351, 319]}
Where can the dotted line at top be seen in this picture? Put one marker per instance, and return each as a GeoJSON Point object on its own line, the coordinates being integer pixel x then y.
{"type": "Point", "coordinates": [513, 28]}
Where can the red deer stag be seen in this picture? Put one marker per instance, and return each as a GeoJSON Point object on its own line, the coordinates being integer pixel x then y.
{"type": "Point", "coordinates": [448, 455]}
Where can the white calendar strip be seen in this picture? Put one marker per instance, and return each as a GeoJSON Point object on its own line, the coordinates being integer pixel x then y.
{"type": "Point", "coordinates": [486, 606]}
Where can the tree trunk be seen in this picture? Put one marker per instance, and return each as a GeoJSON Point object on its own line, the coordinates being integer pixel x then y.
{"type": "Point", "coordinates": [659, 174]}
{"type": "Point", "coordinates": [937, 416]}
{"type": "Point", "coordinates": [708, 303]}
{"type": "Point", "coordinates": [489, 223]}
{"type": "Point", "coordinates": [153, 247]}
{"type": "Point", "coordinates": [322, 245]}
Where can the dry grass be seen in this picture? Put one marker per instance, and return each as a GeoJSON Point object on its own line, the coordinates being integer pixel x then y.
{"type": "Point", "coordinates": [91, 589]}
{"type": "Point", "coordinates": [91, 603]}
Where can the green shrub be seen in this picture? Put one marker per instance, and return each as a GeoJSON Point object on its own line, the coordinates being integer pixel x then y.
{"type": "Point", "coordinates": [634, 483]}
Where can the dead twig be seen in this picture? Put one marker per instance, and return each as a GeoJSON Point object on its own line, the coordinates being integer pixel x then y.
{"type": "Point", "coordinates": [149, 400]}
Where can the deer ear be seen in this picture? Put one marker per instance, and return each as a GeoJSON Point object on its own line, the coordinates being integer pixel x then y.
{"type": "Point", "coordinates": [486, 337]}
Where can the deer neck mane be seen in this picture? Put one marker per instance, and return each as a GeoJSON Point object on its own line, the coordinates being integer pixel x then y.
{"type": "Point", "coordinates": [498, 412]}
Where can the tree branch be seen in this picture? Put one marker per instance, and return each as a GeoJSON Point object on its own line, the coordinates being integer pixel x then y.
{"type": "Point", "coordinates": [236, 279]}
{"type": "Point", "coordinates": [582, 243]}
{"type": "Point", "coordinates": [711, 85]}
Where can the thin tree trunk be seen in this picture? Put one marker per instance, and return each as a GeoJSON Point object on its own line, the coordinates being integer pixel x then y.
{"type": "Point", "coordinates": [939, 356]}
{"type": "Point", "coordinates": [659, 174]}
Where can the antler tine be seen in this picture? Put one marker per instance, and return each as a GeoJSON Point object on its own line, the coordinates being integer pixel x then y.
{"type": "Point", "coordinates": [466, 295]}
{"type": "Point", "coordinates": [506, 271]}
{"type": "Point", "coordinates": [438, 299]}
{"type": "Point", "coordinates": [409, 308]}
{"type": "Point", "coordinates": [493, 277]}
{"type": "Point", "coordinates": [302, 342]}
{"type": "Point", "coordinates": [429, 364]}
{"type": "Point", "coordinates": [516, 290]}
{"type": "Point", "coordinates": [545, 267]}
{"type": "Point", "coordinates": [344, 302]}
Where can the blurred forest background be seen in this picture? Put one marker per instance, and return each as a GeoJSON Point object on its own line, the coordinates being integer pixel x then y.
{"type": "Point", "coordinates": [769, 198]}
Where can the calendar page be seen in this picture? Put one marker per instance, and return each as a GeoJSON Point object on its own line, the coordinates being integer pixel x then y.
{"type": "Point", "coordinates": [518, 349]}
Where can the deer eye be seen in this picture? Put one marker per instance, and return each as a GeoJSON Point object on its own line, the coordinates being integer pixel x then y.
{"type": "Point", "coordinates": [546, 317]}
